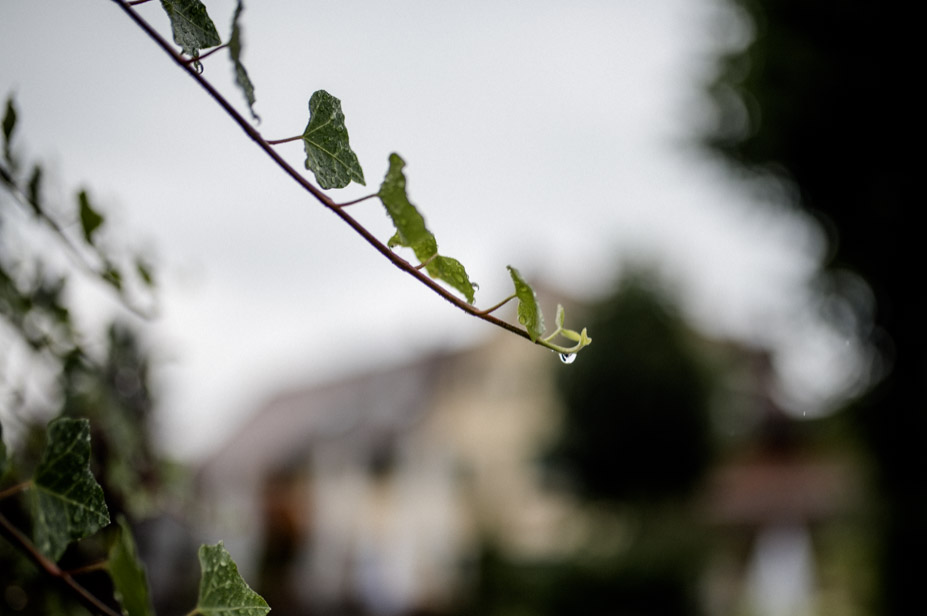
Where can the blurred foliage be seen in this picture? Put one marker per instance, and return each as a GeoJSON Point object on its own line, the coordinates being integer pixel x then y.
{"type": "Point", "coordinates": [822, 96]}
{"type": "Point", "coordinates": [636, 423]}
{"type": "Point", "coordinates": [53, 365]}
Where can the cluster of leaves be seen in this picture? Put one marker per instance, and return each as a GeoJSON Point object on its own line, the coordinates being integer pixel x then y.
{"type": "Point", "coordinates": [66, 505]}
{"type": "Point", "coordinates": [335, 165]}
{"type": "Point", "coordinates": [59, 499]}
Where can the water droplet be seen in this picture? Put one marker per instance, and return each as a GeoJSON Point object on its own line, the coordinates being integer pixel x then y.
{"type": "Point", "coordinates": [568, 358]}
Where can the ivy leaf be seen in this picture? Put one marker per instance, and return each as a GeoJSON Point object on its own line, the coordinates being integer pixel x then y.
{"type": "Point", "coordinates": [192, 28]}
{"type": "Point", "coordinates": [529, 312]}
{"type": "Point", "coordinates": [223, 592]}
{"type": "Point", "coordinates": [328, 153]}
{"type": "Point", "coordinates": [411, 231]}
{"type": "Point", "coordinates": [112, 275]}
{"type": "Point", "coordinates": [451, 271]}
{"type": "Point", "coordinates": [67, 501]}
{"type": "Point", "coordinates": [130, 584]}
{"type": "Point", "coordinates": [9, 123]}
{"type": "Point", "coordinates": [241, 75]}
{"type": "Point", "coordinates": [33, 190]}
{"type": "Point", "coordinates": [90, 219]}
{"type": "Point", "coordinates": [144, 272]}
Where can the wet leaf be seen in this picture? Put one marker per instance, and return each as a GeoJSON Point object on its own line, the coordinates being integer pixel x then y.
{"type": "Point", "coordinates": [328, 152]}
{"type": "Point", "coordinates": [34, 190]}
{"type": "Point", "coordinates": [144, 272]}
{"type": "Point", "coordinates": [452, 272]}
{"type": "Point", "coordinates": [9, 123]}
{"type": "Point", "coordinates": [223, 592]}
{"type": "Point", "coordinates": [130, 584]}
{"type": "Point", "coordinates": [192, 28]}
{"type": "Point", "coordinates": [67, 501]}
{"type": "Point", "coordinates": [411, 231]}
{"type": "Point", "coordinates": [90, 219]}
{"type": "Point", "coordinates": [241, 75]}
{"type": "Point", "coordinates": [529, 312]}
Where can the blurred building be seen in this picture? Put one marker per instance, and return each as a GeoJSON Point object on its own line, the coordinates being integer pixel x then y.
{"type": "Point", "coordinates": [378, 493]}
{"type": "Point", "coordinates": [373, 494]}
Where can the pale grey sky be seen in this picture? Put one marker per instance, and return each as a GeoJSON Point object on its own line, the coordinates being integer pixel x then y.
{"type": "Point", "coordinates": [553, 136]}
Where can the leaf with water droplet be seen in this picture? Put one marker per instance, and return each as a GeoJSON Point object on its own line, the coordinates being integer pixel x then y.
{"type": "Point", "coordinates": [191, 26]}
{"type": "Point", "coordinates": [411, 231]}
{"type": "Point", "coordinates": [529, 312]}
{"type": "Point", "coordinates": [67, 502]}
{"type": "Point", "coordinates": [130, 584]}
{"type": "Point", "coordinates": [223, 592]}
{"type": "Point", "coordinates": [452, 271]}
{"type": "Point", "coordinates": [241, 75]}
{"type": "Point", "coordinates": [90, 219]}
{"type": "Point", "coordinates": [328, 152]}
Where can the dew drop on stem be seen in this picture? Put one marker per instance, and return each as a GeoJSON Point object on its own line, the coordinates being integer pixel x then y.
{"type": "Point", "coordinates": [568, 358]}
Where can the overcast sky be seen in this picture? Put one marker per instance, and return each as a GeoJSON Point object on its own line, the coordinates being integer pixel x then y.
{"type": "Point", "coordinates": [558, 137]}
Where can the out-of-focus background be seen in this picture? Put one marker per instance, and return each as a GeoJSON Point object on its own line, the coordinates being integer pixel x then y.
{"type": "Point", "coordinates": [715, 188]}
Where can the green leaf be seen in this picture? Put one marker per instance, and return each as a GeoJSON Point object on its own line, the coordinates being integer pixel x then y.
{"type": "Point", "coordinates": [328, 153]}
{"type": "Point", "coordinates": [241, 75]}
{"type": "Point", "coordinates": [112, 275]}
{"type": "Point", "coordinates": [192, 28]}
{"type": "Point", "coordinates": [144, 272]}
{"type": "Point", "coordinates": [529, 312]}
{"type": "Point", "coordinates": [33, 190]}
{"type": "Point", "coordinates": [130, 584]}
{"type": "Point", "coordinates": [451, 271]}
{"type": "Point", "coordinates": [411, 231]}
{"type": "Point", "coordinates": [67, 501]}
{"type": "Point", "coordinates": [223, 592]}
{"type": "Point", "coordinates": [9, 123]}
{"type": "Point", "coordinates": [90, 219]}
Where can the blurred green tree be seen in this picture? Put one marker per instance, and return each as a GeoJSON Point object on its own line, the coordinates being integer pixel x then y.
{"type": "Point", "coordinates": [636, 422]}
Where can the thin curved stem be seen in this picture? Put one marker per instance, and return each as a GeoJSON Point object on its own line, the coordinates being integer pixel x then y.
{"type": "Point", "coordinates": [317, 193]}
{"type": "Point", "coordinates": [499, 305]}
{"type": "Point", "coordinates": [14, 490]}
{"type": "Point", "coordinates": [207, 54]}
{"type": "Point", "coordinates": [286, 140]}
{"type": "Point", "coordinates": [355, 201]}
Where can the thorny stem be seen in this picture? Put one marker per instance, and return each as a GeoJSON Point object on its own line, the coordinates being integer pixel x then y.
{"type": "Point", "coordinates": [317, 193]}
{"type": "Point", "coordinates": [52, 569]}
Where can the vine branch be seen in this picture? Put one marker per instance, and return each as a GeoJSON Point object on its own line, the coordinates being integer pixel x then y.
{"type": "Point", "coordinates": [317, 193]}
